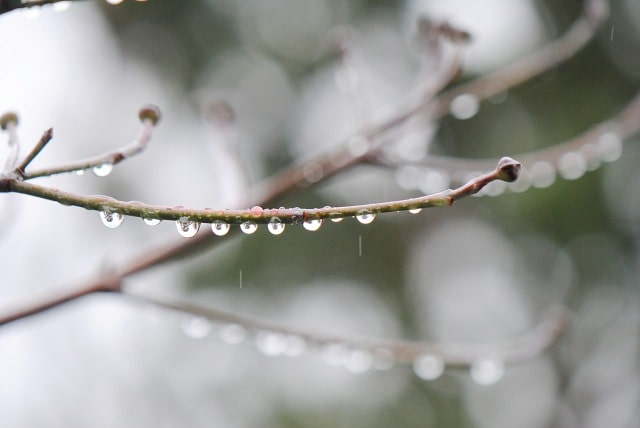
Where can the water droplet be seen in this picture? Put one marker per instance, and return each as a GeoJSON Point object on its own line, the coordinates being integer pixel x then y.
{"type": "Point", "coordinates": [295, 346]}
{"type": "Point", "coordinates": [187, 228]}
{"type": "Point", "coordinates": [270, 343]}
{"type": "Point", "coordinates": [337, 219]}
{"type": "Point", "coordinates": [110, 218]}
{"type": "Point", "coordinates": [152, 221]}
{"type": "Point", "coordinates": [572, 165]}
{"type": "Point", "coordinates": [114, 1]}
{"type": "Point", "coordinates": [103, 170]}
{"type": "Point", "coordinates": [61, 6]}
{"type": "Point", "coordinates": [312, 225]}
{"type": "Point", "coordinates": [365, 217]}
{"type": "Point", "coordinates": [591, 155]}
{"type": "Point", "coordinates": [464, 106]}
{"type": "Point", "coordinates": [415, 210]}
{"type": "Point", "coordinates": [80, 172]}
{"type": "Point", "coordinates": [275, 226]}
{"type": "Point", "coordinates": [248, 227]}
{"type": "Point", "coordinates": [233, 334]}
{"type": "Point", "coordinates": [196, 327]}
{"type": "Point", "coordinates": [522, 184]}
{"type": "Point", "coordinates": [358, 361]}
{"type": "Point", "coordinates": [383, 359]}
{"type": "Point", "coordinates": [542, 174]}
{"type": "Point", "coordinates": [335, 354]}
{"type": "Point", "coordinates": [312, 172]}
{"type": "Point", "coordinates": [610, 146]}
{"type": "Point", "coordinates": [428, 367]}
{"type": "Point", "coordinates": [220, 228]}
{"type": "Point", "coordinates": [486, 371]}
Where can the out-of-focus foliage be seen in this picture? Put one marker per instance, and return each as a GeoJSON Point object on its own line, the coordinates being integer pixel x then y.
{"type": "Point", "coordinates": [482, 271]}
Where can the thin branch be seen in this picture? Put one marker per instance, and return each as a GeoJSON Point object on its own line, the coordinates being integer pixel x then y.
{"type": "Point", "coordinates": [44, 140]}
{"type": "Point", "coordinates": [149, 116]}
{"type": "Point", "coordinates": [506, 170]}
{"type": "Point", "coordinates": [520, 349]}
{"type": "Point", "coordinates": [9, 5]}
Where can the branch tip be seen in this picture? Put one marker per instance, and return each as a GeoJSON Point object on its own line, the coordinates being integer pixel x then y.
{"type": "Point", "coordinates": [7, 118]}
{"type": "Point", "coordinates": [508, 169]}
{"type": "Point", "coordinates": [149, 112]}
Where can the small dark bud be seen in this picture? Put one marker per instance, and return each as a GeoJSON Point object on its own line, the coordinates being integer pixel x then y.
{"type": "Point", "coordinates": [150, 112]}
{"type": "Point", "coordinates": [8, 118]}
{"type": "Point", "coordinates": [508, 169]}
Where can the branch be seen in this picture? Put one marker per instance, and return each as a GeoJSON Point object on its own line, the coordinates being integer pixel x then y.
{"type": "Point", "coordinates": [9, 5]}
{"type": "Point", "coordinates": [506, 170]}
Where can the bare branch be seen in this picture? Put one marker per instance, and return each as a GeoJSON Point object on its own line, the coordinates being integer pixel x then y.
{"type": "Point", "coordinates": [9, 5]}
{"type": "Point", "coordinates": [44, 140]}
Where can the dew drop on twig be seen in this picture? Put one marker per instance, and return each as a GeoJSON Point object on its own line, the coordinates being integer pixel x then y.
{"type": "Point", "coordinates": [542, 174]}
{"type": "Point", "coordinates": [248, 227]}
{"type": "Point", "coordinates": [312, 225]}
{"type": "Point", "coordinates": [335, 354]}
{"type": "Point", "coordinates": [337, 219]}
{"type": "Point", "coordinates": [486, 371]}
{"type": "Point", "coordinates": [415, 210]}
{"type": "Point", "coordinates": [233, 334]}
{"type": "Point", "coordinates": [110, 218]}
{"type": "Point", "coordinates": [610, 146]}
{"type": "Point", "coordinates": [365, 217]}
{"type": "Point", "coordinates": [464, 106]}
{"type": "Point", "coordinates": [196, 327]}
{"type": "Point", "coordinates": [275, 226]}
{"type": "Point", "coordinates": [271, 343]}
{"type": "Point", "coordinates": [358, 361]}
{"type": "Point", "coordinates": [220, 228]}
{"type": "Point", "coordinates": [428, 366]}
{"type": "Point", "coordinates": [572, 165]}
{"type": "Point", "coordinates": [152, 221]}
{"type": "Point", "coordinates": [103, 170]}
{"type": "Point", "coordinates": [187, 228]}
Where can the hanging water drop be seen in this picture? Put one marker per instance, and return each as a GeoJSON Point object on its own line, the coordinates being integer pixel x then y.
{"type": "Point", "coordinates": [187, 228]}
{"type": "Point", "coordinates": [275, 226]}
{"type": "Point", "coordinates": [464, 106]}
{"type": "Point", "coordinates": [610, 146]}
{"type": "Point", "coordinates": [312, 225]}
{"type": "Point", "coordinates": [233, 334]}
{"type": "Point", "coordinates": [428, 367]}
{"type": "Point", "coordinates": [335, 354]}
{"type": "Point", "coordinates": [337, 219]}
{"type": "Point", "coordinates": [542, 174]}
{"type": "Point", "coordinates": [151, 221]}
{"type": "Point", "coordinates": [486, 371]}
{"type": "Point", "coordinates": [110, 218]}
{"type": "Point", "coordinates": [80, 172]}
{"type": "Point", "coordinates": [248, 227]}
{"type": "Point", "coordinates": [270, 343]}
{"type": "Point", "coordinates": [220, 228]}
{"type": "Point", "coordinates": [358, 361]}
{"type": "Point", "coordinates": [365, 217]}
{"type": "Point", "coordinates": [196, 327]}
{"type": "Point", "coordinates": [415, 210]}
{"type": "Point", "coordinates": [103, 170]}
{"type": "Point", "coordinates": [572, 165]}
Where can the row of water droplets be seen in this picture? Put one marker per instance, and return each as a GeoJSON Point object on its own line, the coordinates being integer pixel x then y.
{"type": "Point", "coordinates": [189, 228]}
{"type": "Point", "coordinates": [355, 359]}
{"type": "Point", "coordinates": [570, 165]}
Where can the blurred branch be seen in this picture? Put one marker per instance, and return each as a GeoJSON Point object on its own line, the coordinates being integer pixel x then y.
{"type": "Point", "coordinates": [9, 5]}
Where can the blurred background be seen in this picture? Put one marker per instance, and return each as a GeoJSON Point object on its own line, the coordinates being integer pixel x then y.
{"type": "Point", "coordinates": [483, 271]}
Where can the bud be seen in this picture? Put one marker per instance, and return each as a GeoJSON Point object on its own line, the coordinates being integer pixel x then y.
{"type": "Point", "coordinates": [150, 112]}
{"type": "Point", "coordinates": [8, 118]}
{"type": "Point", "coordinates": [508, 169]}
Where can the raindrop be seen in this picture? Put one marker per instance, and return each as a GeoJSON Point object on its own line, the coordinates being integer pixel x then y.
{"type": "Point", "coordinates": [151, 221]}
{"type": "Point", "coordinates": [196, 327]}
{"type": "Point", "coordinates": [428, 367]}
{"type": "Point", "coordinates": [335, 354]}
{"type": "Point", "coordinates": [61, 6]}
{"type": "Point", "coordinates": [220, 228]}
{"type": "Point", "coordinates": [103, 170]}
{"type": "Point", "coordinates": [114, 1]}
{"type": "Point", "coordinates": [248, 227]}
{"type": "Point", "coordinates": [486, 371]}
{"type": "Point", "coordinates": [415, 210]}
{"type": "Point", "coordinates": [80, 172]}
{"type": "Point", "coordinates": [610, 146]}
{"type": "Point", "coordinates": [365, 217]}
{"type": "Point", "coordinates": [382, 359]}
{"type": "Point", "coordinates": [464, 106]}
{"type": "Point", "coordinates": [295, 346]}
{"type": "Point", "coordinates": [233, 334]}
{"type": "Point", "coordinates": [591, 155]}
{"type": "Point", "coordinates": [312, 172]}
{"type": "Point", "coordinates": [312, 225]}
{"type": "Point", "coordinates": [542, 174]}
{"type": "Point", "coordinates": [270, 343]}
{"type": "Point", "coordinates": [337, 219]}
{"type": "Point", "coordinates": [358, 361]}
{"type": "Point", "coordinates": [572, 165]}
{"type": "Point", "coordinates": [110, 218]}
{"type": "Point", "coordinates": [186, 227]}
{"type": "Point", "coordinates": [275, 226]}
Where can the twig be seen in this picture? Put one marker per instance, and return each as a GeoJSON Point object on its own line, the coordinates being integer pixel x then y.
{"type": "Point", "coordinates": [9, 5]}
{"type": "Point", "coordinates": [507, 170]}
{"type": "Point", "coordinates": [149, 116]}
{"type": "Point", "coordinates": [44, 140]}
